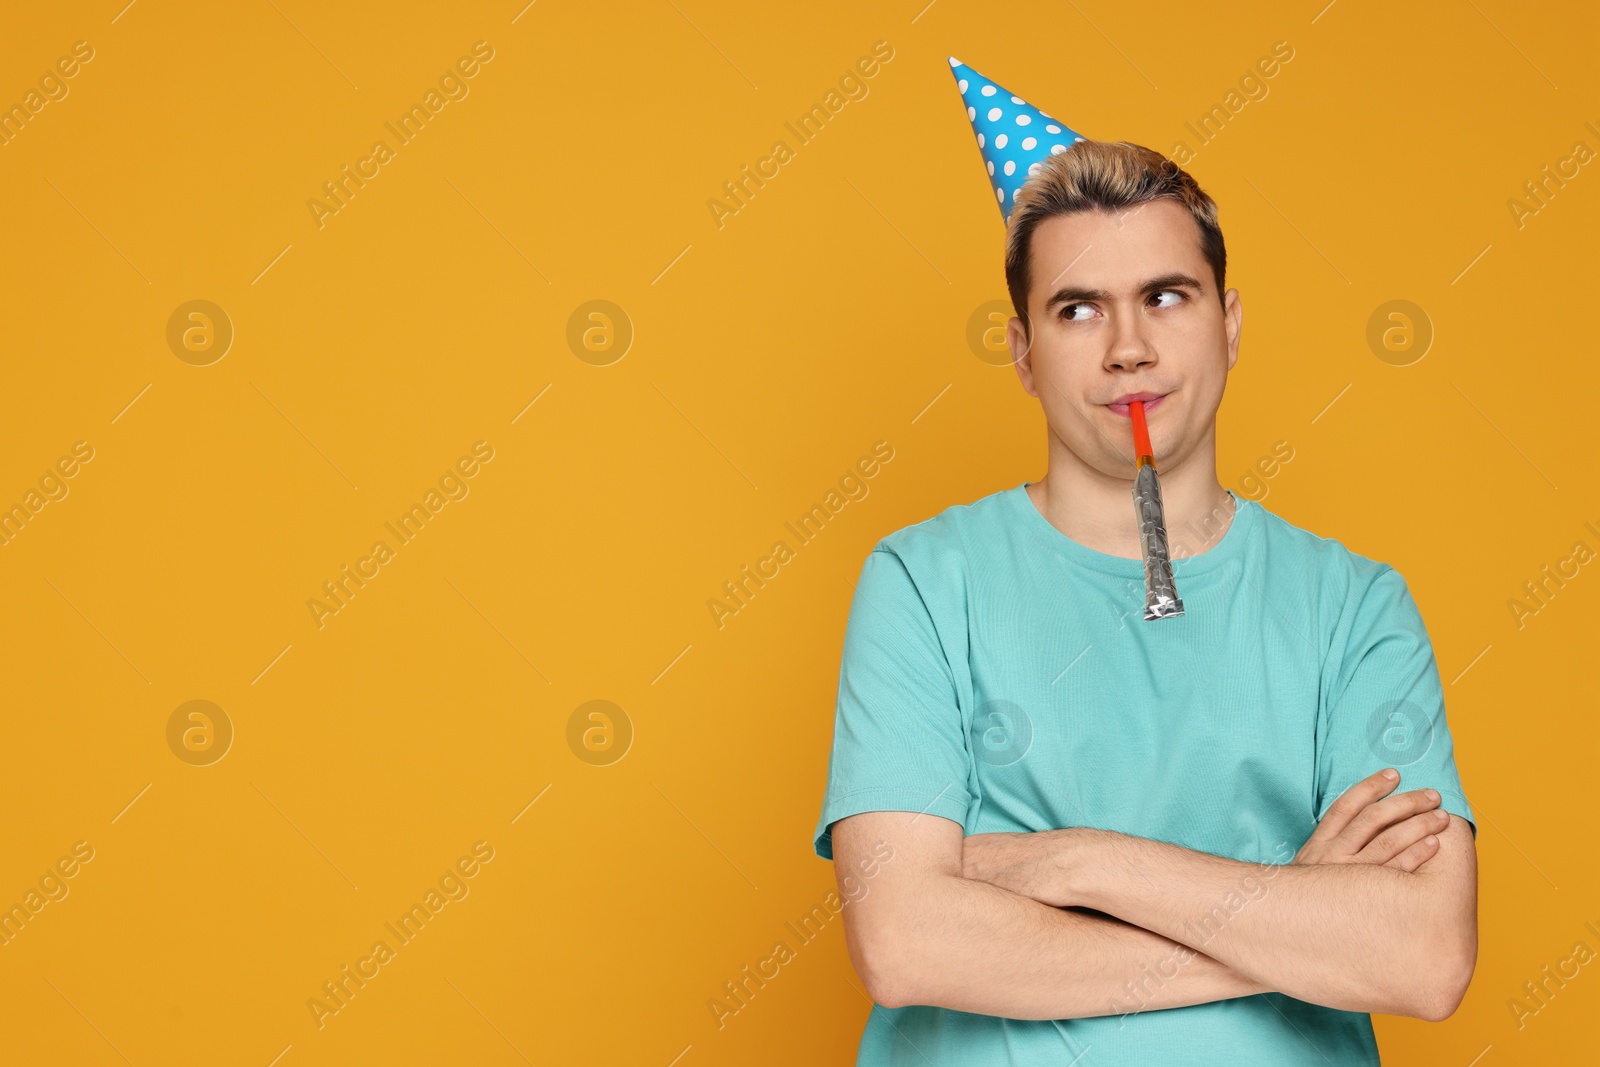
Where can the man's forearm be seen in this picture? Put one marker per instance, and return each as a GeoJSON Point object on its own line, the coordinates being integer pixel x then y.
{"type": "Point", "coordinates": [1359, 937]}
{"type": "Point", "coordinates": [986, 950]}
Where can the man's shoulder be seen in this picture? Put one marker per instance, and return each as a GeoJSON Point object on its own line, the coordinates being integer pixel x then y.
{"type": "Point", "coordinates": [1339, 569]}
{"type": "Point", "coordinates": [951, 534]}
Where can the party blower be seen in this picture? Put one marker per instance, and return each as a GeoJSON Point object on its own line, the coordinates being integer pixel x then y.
{"type": "Point", "coordinates": [1160, 593]}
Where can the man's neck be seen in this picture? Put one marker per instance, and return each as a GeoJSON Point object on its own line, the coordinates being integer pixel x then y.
{"type": "Point", "coordinates": [1097, 512]}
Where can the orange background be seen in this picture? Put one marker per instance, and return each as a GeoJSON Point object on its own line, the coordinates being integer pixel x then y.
{"type": "Point", "coordinates": [767, 355]}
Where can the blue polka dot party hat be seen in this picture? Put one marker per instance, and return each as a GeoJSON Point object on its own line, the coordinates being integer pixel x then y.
{"type": "Point", "coordinates": [1013, 135]}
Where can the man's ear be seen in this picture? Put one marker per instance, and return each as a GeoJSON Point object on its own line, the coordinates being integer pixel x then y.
{"type": "Point", "coordinates": [1021, 354]}
{"type": "Point", "coordinates": [1232, 322]}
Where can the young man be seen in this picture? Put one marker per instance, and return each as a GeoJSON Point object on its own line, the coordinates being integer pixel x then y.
{"type": "Point", "coordinates": [1179, 840]}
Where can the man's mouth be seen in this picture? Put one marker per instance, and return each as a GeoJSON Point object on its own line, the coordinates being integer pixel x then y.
{"type": "Point", "coordinates": [1151, 402]}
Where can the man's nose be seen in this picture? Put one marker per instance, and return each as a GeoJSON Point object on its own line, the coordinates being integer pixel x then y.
{"type": "Point", "coordinates": [1130, 348]}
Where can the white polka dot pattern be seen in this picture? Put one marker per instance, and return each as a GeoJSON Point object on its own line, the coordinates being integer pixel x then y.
{"type": "Point", "coordinates": [1009, 162]}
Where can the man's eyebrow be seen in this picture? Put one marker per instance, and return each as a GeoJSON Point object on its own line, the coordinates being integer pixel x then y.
{"type": "Point", "coordinates": [1072, 294]}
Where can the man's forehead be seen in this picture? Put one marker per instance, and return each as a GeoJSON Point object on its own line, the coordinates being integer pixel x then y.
{"type": "Point", "coordinates": [1116, 250]}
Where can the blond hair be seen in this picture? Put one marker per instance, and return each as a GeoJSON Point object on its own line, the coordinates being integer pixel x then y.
{"type": "Point", "coordinates": [1105, 176]}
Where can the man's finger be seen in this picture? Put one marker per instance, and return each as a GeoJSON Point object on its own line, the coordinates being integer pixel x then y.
{"type": "Point", "coordinates": [1416, 855]}
{"type": "Point", "coordinates": [1402, 835]}
{"type": "Point", "coordinates": [1385, 813]}
{"type": "Point", "coordinates": [1354, 801]}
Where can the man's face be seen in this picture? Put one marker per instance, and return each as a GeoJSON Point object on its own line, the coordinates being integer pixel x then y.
{"type": "Point", "coordinates": [1125, 303]}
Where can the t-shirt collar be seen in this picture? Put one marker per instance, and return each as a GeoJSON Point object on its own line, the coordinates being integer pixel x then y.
{"type": "Point", "coordinates": [1226, 547]}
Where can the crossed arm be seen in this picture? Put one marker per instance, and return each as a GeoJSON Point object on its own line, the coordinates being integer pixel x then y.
{"type": "Point", "coordinates": [1377, 912]}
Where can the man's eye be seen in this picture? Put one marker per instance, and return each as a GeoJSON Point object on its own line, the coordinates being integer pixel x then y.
{"type": "Point", "coordinates": [1068, 311]}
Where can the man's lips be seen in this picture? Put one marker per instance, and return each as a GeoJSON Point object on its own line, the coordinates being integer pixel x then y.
{"type": "Point", "coordinates": [1151, 402]}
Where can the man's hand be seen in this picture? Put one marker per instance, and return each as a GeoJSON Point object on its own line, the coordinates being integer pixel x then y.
{"type": "Point", "coordinates": [1366, 825]}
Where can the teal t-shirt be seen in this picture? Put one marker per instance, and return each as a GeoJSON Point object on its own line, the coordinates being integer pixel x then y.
{"type": "Point", "coordinates": [999, 674]}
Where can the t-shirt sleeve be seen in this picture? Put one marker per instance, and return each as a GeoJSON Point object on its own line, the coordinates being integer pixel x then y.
{"type": "Point", "coordinates": [1387, 707]}
{"type": "Point", "coordinates": [898, 740]}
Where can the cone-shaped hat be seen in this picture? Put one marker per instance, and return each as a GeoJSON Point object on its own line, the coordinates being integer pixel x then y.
{"type": "Point", "coordinates": [1013, 135]}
